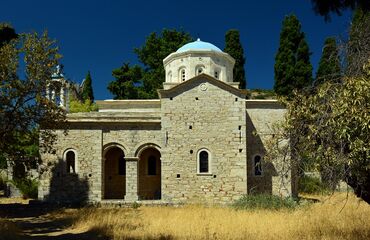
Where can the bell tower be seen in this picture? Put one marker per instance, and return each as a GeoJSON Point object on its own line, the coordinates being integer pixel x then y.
{"type": "Point", "coordinates": [57, 90]}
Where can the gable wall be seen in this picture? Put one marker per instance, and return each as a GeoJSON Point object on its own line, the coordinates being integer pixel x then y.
{"type": "Point", "coordinates": [215, 119]}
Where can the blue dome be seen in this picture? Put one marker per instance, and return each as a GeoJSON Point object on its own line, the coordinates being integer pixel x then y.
{"type": "Point", "coordinates": [198, 45]}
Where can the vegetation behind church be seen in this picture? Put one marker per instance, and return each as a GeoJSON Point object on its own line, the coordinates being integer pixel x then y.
{"type": "Point", "coordinates": [142, 82]}
{"type": "Point", "coordinates": [293, 69]}
{"type": "Point", "coordinates": [234, 47]}
{"type": "Point", "coordinates": [329, 124]}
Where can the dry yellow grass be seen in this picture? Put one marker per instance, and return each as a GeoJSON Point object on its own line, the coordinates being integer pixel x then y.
{"type": "Point", "coordinates": [333, 218]}
{"type": "Point", "coordinates": [17, 200]}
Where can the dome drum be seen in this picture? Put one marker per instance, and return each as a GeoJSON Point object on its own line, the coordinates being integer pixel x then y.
{"type": "Point", "coordinates": [196, 58]}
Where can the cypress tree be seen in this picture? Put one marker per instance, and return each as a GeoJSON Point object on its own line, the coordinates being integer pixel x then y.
{"type": "Point", "coordinates": [329, 65]}
{"type": "Point", "coordinates": [87, 91]}
{"type": "Point", "coordinates": [235, 49]}
{"type": "Point", "coordinates": [293, 69]}
{"type": "Point", "coordinates": [358, 49]}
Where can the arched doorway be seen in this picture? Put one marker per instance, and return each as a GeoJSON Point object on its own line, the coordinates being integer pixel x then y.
{"type": "Point", "coordinates": [114, 173]}
{"type": "Point", "coordinates": [149, 174]}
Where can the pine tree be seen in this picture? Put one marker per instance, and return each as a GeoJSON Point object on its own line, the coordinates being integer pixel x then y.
{"type": "Point", "coordinates": [325, 7]}
{"type": "Point", "coordinates": [126, 84]}
{"type": "Point", "coordinates": [151, 55]}
{"type": "Point", "coordinates": [87, 91]}
{"type": "Point", "coordinates": [329, 65]}
{"type": "Point", "coordinates": [235, 49]}
{"type": "Point", "coordinates": [293, 69]}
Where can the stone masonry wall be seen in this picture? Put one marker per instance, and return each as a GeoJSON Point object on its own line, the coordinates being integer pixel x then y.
{"type": "Point", "coordinates": [217, 121]}
{"type": "Point", "coordinates": [58, 185]}
{"type": "Point", "coordinates": [89, 140]}
{"type": "Point", "coordinates": [275, 178]}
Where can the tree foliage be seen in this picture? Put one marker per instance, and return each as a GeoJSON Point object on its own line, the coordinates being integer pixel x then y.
{"type": "Point", "coordinates": [26, 66]}
{"type": "Point", "coordinates": [293, 69]}
{"type": "Point", "coordinates": [136, 82]}
{"type": "Point", "coordinates": [151, 55]}
{"type": "Point", "coordinates": [358, 47]}
{"type": "Point", "coordinates": [76, 105]}
{"type": "Point", "coordinates": [127, 83]}
{"type": "Point", "coordinates": [329, 65]}
{"type": "Point", "coordinates": [325, 7]}
{"type": "Point", "coordinates": [7, 33]}
{"type": "Point", "coordinates": [87, 90]}
{"type": "Point", "coordinates": [234, 47]}
{"type": "Point", "coordinates": [329, 124]}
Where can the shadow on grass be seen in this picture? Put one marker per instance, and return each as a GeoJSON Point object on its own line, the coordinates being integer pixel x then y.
{"type": "Point", "coordinates": [43, 221]}
{"type": "Point", "coordinates": [48, 219]}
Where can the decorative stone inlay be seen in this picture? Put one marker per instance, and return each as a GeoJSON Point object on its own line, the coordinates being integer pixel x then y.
{"type": "Point", "coordinates": [203, 87]}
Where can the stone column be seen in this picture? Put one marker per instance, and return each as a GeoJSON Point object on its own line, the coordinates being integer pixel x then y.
{"type": "Point", "coordinates": [48, 92]}
{"type": "Point", "coordinates": [67, 98]}
{"type": "Point", "coordinates": [53, 95]}
{"type": "Point", "coordinates": [131, 180]}
{"type": "Point", "coordinates": [61, 103]}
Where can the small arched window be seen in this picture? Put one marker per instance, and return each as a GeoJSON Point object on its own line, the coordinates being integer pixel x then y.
{"type": "Point", "coordinates": [203, 162]}
{"type": "Point", "coordinates": [182, 74]}
{"type": "Point", "coordinates": [169, 77]}
{"type": "Point", "coordinates": [152, 165]}
{"type": "Point", "coordinates": [257, 165]}
{"type": "Point", "coordinates": [199, 70]}
{"type": "Point", "coordinates": [216, 74]}
{"type": "Point", "coordinates": [70, 161]}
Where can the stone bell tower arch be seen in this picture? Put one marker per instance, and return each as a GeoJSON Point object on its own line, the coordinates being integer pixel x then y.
{"type": "Point", "coordinates": [57, 89]}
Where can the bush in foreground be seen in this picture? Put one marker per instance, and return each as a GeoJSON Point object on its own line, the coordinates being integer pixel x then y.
{"type": "Point", "coordinates": [28, 187]}
{"type": "Point", "coordinates": [312, 185]}
{"type": "Point", "coordinates": [264, 201]}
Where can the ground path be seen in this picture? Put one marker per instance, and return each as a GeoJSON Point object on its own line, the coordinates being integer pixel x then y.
{"type": "Point", "coordinates": [40, 221]}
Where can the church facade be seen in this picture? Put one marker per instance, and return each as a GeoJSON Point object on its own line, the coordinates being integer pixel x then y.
{"type": "Point", "coordinates": [203, 140]}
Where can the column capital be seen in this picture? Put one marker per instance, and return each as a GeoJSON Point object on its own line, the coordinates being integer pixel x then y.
{"type": "Point", "coordinates": [131, 158]}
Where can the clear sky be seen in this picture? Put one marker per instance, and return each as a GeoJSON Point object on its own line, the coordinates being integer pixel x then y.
{"type": "Point", "coordinates": [100, 35]}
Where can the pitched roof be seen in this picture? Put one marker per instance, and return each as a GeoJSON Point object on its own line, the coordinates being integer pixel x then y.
{"type": "Point", "coordinates": [188, 84]}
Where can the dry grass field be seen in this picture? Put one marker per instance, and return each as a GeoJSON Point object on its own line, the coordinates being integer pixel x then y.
{"type": "Point", "coordinates": [334, 217]}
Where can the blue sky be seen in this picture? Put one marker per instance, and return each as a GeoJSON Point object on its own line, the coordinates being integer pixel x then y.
{"type": "Point", "coordinates": [100, 35]}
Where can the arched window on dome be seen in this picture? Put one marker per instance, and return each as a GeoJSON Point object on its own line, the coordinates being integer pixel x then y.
{"type": "Point", "coordinates": [182, 74]}
{"type": "Point", "coordinates": [216, 74]}
{"type": "Point", "coordinates": [199, 70]}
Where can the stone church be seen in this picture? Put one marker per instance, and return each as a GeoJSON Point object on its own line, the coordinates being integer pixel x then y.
{"type": "Point", "coordinates": [203, 140]}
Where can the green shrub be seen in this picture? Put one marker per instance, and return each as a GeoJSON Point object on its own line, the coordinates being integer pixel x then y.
{"type": "Point", "coordinates": [311, 185]}
{"type": "Point", "coordinates": [260, 97]}
{"type": "Point", "coordinates": [28, 187]}
{"type": "Point", "coordinates": [77, 106]}
{"type": "Point", "coordinates": [264, 201]}
{"type": "Point", "coordinates": [136, 205]}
